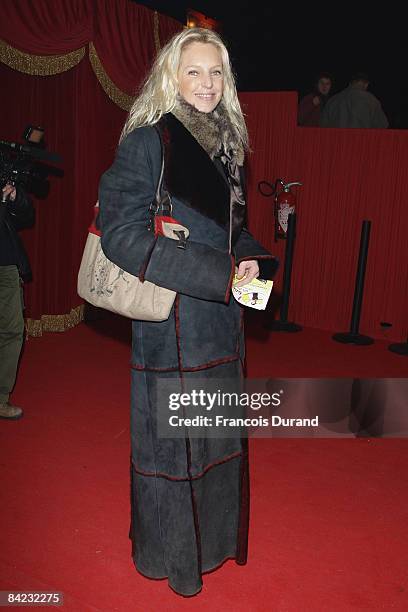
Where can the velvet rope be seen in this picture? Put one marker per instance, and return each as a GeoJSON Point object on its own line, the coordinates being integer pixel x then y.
{"type": "Point", "coordinates": [39, 65]}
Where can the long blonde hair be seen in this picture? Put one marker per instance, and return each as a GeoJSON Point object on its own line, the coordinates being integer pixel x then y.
{"type": "Point", "coordinates": [158, 94]}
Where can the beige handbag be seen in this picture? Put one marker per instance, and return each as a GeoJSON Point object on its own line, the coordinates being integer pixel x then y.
{"type": "Point", "coordinates": [105, 285]}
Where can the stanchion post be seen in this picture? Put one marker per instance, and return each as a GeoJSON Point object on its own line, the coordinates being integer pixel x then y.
{"type": "Point", "coordinates": [353, 336]}
{"type": "Point", "coordinates": [282, 324]}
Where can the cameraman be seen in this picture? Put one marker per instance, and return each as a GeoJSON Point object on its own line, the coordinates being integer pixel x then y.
{"type": "Point", "coordinates": [16, 212]}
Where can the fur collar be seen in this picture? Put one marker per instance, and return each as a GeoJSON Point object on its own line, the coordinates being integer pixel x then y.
{"type": "Point", "coordinates": [191, 175]}
{"type": "Point", "coordinates": [213, 131]}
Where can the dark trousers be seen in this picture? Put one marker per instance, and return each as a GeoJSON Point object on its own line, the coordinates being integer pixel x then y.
{"type": "Point", "coordinates": [11, 328]}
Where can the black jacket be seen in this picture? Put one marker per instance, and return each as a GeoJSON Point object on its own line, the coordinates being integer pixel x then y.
{"type": "Point", "coordinates": [13, 217]}
{"type": "Point", "coordinates": [205, 324]}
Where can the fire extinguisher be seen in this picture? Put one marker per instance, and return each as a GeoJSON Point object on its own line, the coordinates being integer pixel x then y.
{"type": "Point", "coordinates": [284, 205]}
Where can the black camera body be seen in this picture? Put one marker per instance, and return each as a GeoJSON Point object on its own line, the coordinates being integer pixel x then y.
{"type": "Point", "coordinates": [25, 164]}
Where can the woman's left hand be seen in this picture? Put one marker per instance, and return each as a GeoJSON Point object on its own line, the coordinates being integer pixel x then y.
{"type": "Point", "coordinates": [247, 271]}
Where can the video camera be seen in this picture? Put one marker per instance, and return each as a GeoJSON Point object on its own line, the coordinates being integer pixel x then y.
{"type": "Point", "coordinates": [25, 164]}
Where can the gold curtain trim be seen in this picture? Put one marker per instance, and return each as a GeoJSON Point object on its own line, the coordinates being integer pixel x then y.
{"type": "Point", "coordinates": [55, 323]}
{"type": "Point", "coordinates": [156, 31]}
{"type": "Point", "coordinates": [41, 65]}
{"type": "Point", "coordinates": [117, 96]}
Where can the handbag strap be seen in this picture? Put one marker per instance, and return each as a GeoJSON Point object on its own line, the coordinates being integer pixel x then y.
{"type": "Point", "coordinates": [162, 204]}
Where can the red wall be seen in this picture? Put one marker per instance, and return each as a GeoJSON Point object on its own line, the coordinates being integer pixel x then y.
{"type": "Point", "coordinates": [348, 176]}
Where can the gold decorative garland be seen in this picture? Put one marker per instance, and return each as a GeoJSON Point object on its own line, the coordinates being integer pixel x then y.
{"type": "Point", "coordinates": [48, 65]}
{"type": "Point", "coordinates": [54, 323]}
{"type": "Point", "coordinates": [120, 98]}
{"type": "Point", "coordinates": [40, 65]}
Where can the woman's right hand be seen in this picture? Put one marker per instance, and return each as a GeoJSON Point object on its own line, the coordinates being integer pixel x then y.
{"type": "Point", "coordinates": [247, 271]}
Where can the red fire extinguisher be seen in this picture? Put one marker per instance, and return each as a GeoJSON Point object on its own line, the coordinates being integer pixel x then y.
{"type": "Point", "coordinates": [284, 205]}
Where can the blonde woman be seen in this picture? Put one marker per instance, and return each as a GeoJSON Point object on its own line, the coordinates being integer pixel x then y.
{"type": "Point", "coordinates": [189, 497]}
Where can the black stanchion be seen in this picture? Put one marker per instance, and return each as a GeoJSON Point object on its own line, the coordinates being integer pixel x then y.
{"type": "Point", "coordinates": [353, 336]}
{"type": "Point", "coordinates": [401, 348]}
{"type": "Point", "coordinates": [283, 324]}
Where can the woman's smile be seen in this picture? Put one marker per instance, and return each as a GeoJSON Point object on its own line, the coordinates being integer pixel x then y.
{"type": "Point", "coordinates": [200, 76]}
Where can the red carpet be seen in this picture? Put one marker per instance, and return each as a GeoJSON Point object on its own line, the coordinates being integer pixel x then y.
{"type": "Point", "coordinates": [313, 353]}
{"type": "Point", "coordinates": [328, 517]}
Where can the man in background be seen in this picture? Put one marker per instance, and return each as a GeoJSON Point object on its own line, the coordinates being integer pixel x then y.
{"type": "Point", "coordinates": [16, 212]}
{"type": "Point", "coordinates": [354, 107]}
{"type": "Point", "coordinates": [311, 106]}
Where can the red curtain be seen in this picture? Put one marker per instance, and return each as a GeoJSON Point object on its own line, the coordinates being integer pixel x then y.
{"type": "Point", "coordinates": [127, 63]}
{"type": "Point", "coordinates": [125, 35]}
{"type": "Point", "coordinates": [123, 40]}
{"type": "Point", "coordinates": [83, 125]}
{"type": "Point", "coordinates": [81, 122]}
{"type": "Point", "coordinates": [47, 27]}
{"type": "Point", "coordinates": [348, 176]}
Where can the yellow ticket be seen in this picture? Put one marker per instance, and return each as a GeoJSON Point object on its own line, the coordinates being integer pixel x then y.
{"type": "Point", "coordinates": [255, 294]}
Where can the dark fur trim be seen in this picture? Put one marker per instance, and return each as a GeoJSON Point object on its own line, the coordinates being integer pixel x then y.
{"type": "Point", "coordinates": [191, 175]}
{"type": "Point", "coordinates": [213, 131]}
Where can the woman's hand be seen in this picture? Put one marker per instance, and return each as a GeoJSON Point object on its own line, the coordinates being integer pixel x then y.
{"type": "Point", "coordinates": [247, 271]}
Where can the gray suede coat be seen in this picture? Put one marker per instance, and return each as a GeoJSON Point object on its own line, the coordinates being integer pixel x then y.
{"type": "Point", "coordinates": [189, 497]}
